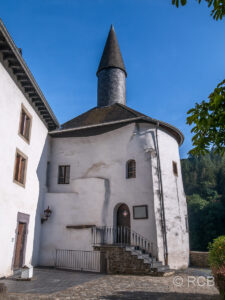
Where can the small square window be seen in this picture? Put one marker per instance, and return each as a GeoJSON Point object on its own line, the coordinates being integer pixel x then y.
{"type": "Point", "coordinates": [20, 168]}
{"type": "Point", "coordinates": [175, 171]}
{"type": "Point", "coordinates": [140, 212]}
{"type": "Point", "coordinates": [64, 175]}
{"type": "Point", "coordinates": [25, 124]}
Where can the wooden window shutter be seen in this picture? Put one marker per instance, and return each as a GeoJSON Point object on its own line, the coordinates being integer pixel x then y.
{"type": "Point", "coordinates": [17, 167]}
{"type": "Point", "coordinates": [25, 124]}
{"type": "Point", "coordinates": [22, 167]}
{"type": "Point", "coordinates": [22, 122]}
{"type": "Point", "coordinates": [27, 128]}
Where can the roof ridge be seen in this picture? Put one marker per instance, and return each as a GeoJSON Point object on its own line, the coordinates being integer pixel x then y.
{"type": "Point", "coordinates": [134, 112]}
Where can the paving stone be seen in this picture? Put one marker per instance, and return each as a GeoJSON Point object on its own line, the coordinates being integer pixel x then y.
{"type": "Point", "coordinates": [60, 285]}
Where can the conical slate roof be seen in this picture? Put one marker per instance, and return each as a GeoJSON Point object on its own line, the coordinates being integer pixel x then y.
{"type": "Point", "coordinates": [111, 56]}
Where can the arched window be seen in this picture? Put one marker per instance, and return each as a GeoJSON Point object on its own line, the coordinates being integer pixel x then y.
{"type": "Point", "coordinates": [131, 168]}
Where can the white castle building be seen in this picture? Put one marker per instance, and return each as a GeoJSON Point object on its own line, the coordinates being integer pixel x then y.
{"type": "Point", "coordinates": [109, 177]}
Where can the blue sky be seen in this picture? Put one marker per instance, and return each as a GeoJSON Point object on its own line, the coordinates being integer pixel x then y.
{"type": "Point", "coordinates": [174, 57]}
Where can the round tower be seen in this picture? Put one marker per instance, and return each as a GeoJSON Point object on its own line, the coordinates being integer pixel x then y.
{"type": "Point", "coordinates": [111, 73]}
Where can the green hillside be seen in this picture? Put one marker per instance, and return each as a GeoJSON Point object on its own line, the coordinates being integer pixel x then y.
{"type": "Point", "coordinates": [204, 185]}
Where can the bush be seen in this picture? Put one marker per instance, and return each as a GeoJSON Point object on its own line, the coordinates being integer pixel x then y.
{"type": "Point", "coordinates": [217, 263]}
{"type": "Point", "coordinates": [219, 277]}
{"type": "Point", "coordinates": [217, 253]}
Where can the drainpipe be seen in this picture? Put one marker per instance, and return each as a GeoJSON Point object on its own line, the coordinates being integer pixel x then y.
{"type": "Point", "coordinates": [162, 211]}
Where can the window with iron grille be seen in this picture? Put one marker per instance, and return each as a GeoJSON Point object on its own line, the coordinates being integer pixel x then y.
{"type": "Point", "coordinates": [25, 124]}
{"type": "Point", "coordinates": [64, 175]}
{"type": "Point", "coordinates": [175, 171]}
{"type": "Point", "coordinates": [20, 168]}
{"type": "Point", "coordinates": [131, 168]}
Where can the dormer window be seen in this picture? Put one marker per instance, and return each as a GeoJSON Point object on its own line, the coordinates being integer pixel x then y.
{"type": "Point", "coordinates": [131, 168]}
{"type": "Point", "coordinates": [25, 124]}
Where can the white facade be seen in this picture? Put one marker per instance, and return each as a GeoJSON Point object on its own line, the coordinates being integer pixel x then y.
{"type": "Point", "coordinates": [14, 198]}
{"type": "Point", "coordinates": [98, 185]}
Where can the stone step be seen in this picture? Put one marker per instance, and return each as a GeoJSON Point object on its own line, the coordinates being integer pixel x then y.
{"type": "Point", "coordinates": [160, 268]}
{"type": "Point", "coordinates": [153, 264]}
{"type": "Point", "coordinates": [157, 264]}
{"type": "Point", "coordinates": [146, 256]}
{"type": "Point", "coordinates": [130, 248]}
{"type": "Point", "coordinates": [136, 252]}
{"type": "Point", "coordinates": [162, 273]}
{"type": "Point", "coordinates": [156, 267]}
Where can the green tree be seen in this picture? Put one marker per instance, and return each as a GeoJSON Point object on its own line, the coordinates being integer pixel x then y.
{"type": "Point", "coordinates": [206, 221]}
{"type": "Point", "coordinates": [204, 185]}
{"type": "Point", "coordinates": [208, 119]}
{"type": "Point", "coordinates": [217, 12]}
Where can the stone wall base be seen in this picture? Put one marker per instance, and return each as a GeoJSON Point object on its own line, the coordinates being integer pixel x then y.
{"type": "Point", "coordinates": [199, 259]}
{"type": "Point", "coordinates": [116, 260]}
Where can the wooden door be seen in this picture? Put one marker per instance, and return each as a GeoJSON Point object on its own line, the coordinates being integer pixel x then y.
{"type": "Point", "coordinates": [20, 245]}
{"type": "Point", "coordinates": [123, 224]}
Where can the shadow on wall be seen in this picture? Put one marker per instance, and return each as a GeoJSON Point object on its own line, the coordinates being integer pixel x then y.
{"type": "Point", "coordinates": [156, 296]}
{"type": "Point", "coordinates": [41, 174]}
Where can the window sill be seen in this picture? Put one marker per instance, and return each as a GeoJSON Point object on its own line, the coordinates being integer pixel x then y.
{"type": "Point", "coordinates": [23, 137]}
{"type": "Point", "coordinates": [19, 183]}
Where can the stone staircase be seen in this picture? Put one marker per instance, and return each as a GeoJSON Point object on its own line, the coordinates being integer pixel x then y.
{"type": "Point", "coordinates": [155, 267]}
{"type": "Point", "coordinates": [124, 251]}
{"type": "Point", "coordinates": [131, 260]}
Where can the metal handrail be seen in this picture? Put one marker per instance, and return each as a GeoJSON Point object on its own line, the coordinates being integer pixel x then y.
{"type": "Point", "coordinates": [121, 235]}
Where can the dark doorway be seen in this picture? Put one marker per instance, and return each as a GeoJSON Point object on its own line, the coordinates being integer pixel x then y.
{"type": "Point", "coordinates": [20, 245]}
{"type": "Point", "coordinates": [123, 224]}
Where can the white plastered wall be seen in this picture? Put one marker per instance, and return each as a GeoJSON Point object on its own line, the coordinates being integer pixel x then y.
{"type": "Point", "coordinates": [103, 158]}
{"type": "Point", "coordinates": [174, 202]}
{"type": "Point", "coordinates": [14, 198]}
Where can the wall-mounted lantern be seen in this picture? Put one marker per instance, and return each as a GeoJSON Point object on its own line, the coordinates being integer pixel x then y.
{"type": "Point", "coordinates": [47, 214]}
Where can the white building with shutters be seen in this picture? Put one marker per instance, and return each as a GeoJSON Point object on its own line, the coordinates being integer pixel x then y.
{"type": "Point", "coordinates": [111, 169]}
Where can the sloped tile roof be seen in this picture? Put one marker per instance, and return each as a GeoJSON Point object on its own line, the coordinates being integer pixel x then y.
{"type": "Point", "coordinates": [100, 115]}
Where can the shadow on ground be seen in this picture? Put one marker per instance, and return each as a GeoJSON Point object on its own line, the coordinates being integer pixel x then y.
{"type": "Point", "coordinates": [158, 296]}
{"type": "Point", "coordinates": [47, 281]}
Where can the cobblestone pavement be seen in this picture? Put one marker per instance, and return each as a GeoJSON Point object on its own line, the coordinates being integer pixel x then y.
{"type": "Point", "coordinates": [46, 281]}
{"type": "Point", "coordinates": [121, 287]}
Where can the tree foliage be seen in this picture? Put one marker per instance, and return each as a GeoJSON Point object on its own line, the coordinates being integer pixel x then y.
{"type": "Point", "coordinates": [208, 118]}
{"type": "Point", "coordinates": [204, 184]}
{"type": "Point", "coordinates": [217, 252]}
{"type": "Point", "coordinates": [218, 7]}
{"type": "Point", "coordinates": [209, 122]}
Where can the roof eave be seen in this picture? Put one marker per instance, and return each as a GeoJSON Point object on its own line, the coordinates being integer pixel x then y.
{"type": "Point", "coordinates": [131, 120]}
{"type": "Point", "coordinates": [28, 73]}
